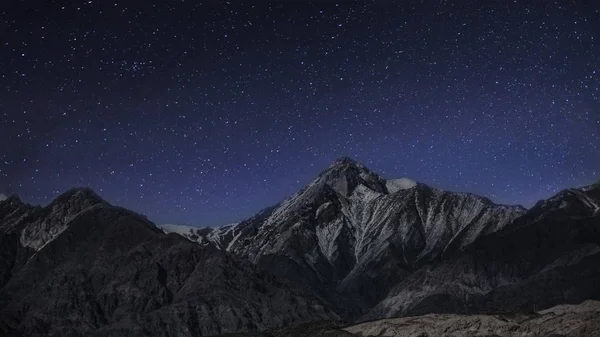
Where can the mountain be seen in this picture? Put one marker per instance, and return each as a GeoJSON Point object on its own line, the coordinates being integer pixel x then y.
{"type": "Point", "coordinates": [354, 235]}
{"type": "Point", "coordinates": [82, 267]}
{"type": "Point", "coordinates": [549, 256]}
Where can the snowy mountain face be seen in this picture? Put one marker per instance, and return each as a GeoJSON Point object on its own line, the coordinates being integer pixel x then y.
{"type": "Point", "coordinates": [12, 209]}
{"type": "Point", "coordinates": [548, 256]}
{"type": "Point", "coordinates": [359, 234]}
{"type": "Point", "coordinates": [26, 229]}
{"type": "Point", "coordinates": [218, 237]}
{"type": "Point", "coordinates": [2, 197]}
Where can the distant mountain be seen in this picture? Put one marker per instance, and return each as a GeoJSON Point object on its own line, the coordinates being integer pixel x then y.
{"type": "Point", "coordinates": [81, 267]}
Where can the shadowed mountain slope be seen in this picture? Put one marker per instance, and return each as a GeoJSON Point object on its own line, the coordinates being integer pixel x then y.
{"type": "Point", "coordinates": [83, 267]}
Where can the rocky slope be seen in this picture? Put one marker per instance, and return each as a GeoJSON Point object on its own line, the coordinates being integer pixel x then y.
{"type": "Point", "coordinates": [81, 267]}
{"type": "Point", "coordinates": [581, 320]}
{"type": "Point", "coordinates": [354, 235]}
{"type": "Point", "coordinates": [551, 255]}
{"type": "Point", "coordinates": [563, 321]}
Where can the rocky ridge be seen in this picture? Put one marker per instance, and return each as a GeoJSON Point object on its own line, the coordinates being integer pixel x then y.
{"type": "Point", "coordinates": [82, 267]}
{"type": "Point", "coordinates": [546, 257]}
{"type": "Point", "coordinates": [581, 320]}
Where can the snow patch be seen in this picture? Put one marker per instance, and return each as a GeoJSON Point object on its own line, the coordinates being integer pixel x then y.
{"type": "Point", "coordinates": [2, 197]}
{"type": "Point", "coordinates": [177, 229]}
{"type": "Point", "coordinates": [395, 185]}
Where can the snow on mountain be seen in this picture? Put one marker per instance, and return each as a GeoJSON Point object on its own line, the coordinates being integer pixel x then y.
{"type": "Point", "coordinates": [218, 236]}
{"type": "Point", "coordinates": [182, 230]}
{"type": "Point", "coordinates": [355, 236]}
{"type": "Point", "coordinates": [358, 233]}
{"type": "Point", "coordinates": [396, 185]}
{"type": "Point", "coordinates": [2, 197]}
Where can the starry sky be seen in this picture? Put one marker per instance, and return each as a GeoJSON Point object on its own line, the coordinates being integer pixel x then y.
{"type": "Point", "coordinates": [206, 112]}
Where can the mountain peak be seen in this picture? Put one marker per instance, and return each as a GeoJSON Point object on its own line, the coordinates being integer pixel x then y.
{"type": "Point", "coordinates": [345, 174]}
{"type": "Point", "coordinates": [395, 185]}
{"type": "Point", "coordinates": [345, 160]}
{"type": "Point", "coordinates": [12, 199]}
{"type": "Point", "coordinates": [79, 194]}
{"type": "Point", "coordinates": [58, 215]}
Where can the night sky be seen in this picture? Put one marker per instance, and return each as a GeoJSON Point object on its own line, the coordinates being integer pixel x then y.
{"type": "Point", "coordinates": [206, 112]}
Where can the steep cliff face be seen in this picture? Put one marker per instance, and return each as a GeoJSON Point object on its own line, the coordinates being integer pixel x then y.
{"type": "Point", "coordinates": [12, 253]}
{"type": "Point", "coordinates": [83, 267]}
{"type": "Point", "coordinates": [48, 222]}
{"type": "Point", "coordinates": [582, 320]}
{"type": "Point", "coordinates": [548, 256]}
{"type": "Point", "coordinates": [354, 235]}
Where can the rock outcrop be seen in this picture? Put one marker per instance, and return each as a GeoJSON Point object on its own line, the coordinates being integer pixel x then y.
{"type": "Point", "coordinates": [549, 256]}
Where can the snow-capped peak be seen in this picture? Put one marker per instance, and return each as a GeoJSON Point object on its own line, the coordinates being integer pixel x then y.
{"type": "Point", "coordinates": [2, 197]}
{"type": "Point", "coordinates": [346, 174]}
{"type": "Point", "coordinates": [395, 185]}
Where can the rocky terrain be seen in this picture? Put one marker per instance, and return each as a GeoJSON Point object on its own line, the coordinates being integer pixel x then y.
{"type": "Point", "coordinates": [349, 247]}
{"type": "Point", "coordinates": [81, 267]}
{"type": "Point", "coordinates": [547, 257]}
{"type": "Point", "coordinates": [218, 237]}
{"type": "Point", "coordinates": [581, 320]}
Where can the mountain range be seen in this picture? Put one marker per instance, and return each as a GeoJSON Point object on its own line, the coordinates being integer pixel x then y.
{"type": "Point", "coordinates": [350, 247]}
